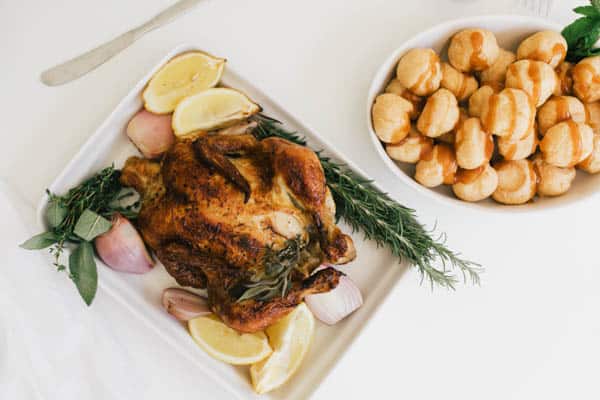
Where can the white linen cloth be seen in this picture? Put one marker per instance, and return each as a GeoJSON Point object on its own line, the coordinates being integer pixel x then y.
{"type": "Point", "coordinates": [52, 346]}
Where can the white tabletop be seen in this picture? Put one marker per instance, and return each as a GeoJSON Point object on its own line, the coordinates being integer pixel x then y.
{"type": "Point", "coordinates": [531, 329]}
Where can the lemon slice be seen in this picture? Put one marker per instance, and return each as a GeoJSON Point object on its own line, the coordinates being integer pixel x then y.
{"type": "Point", "coordinates": [226, 344]}
{"type": "Point", "coordinates": [184, 75]}
{"type": "Point", "coordinates": [290, 338]}
{"type": "Point", "coordinates": [211, 109]}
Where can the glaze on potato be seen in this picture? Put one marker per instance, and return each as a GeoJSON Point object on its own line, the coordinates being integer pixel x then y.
{"type": "Point", "coordinates": [475, 184]}
{"type": "Point", "coordinates": [586, 79]}
{"type": "Point", "coordinates": [552, 180]}
{"type": "Point", "coordinates": [535, 78]}
{"type": "Point", "coordinates": [518, 149]}
{"type": "Point", "coordinates": [437, 167]}
{"type": "Point", "coordinates": [391, 117]}
{"type": "Point", "coordinates": [473, 50]}
{"type": "Point", "coordinates": [473, 145]}
{"type": "Point", "coordinates": [559, 109]}
{"type": "Point", "coordinates": [509, 113]}
{"type": "Point", "coordinates": [410, 149]}
{"type": "Point", "coordinates": [549, 47]}
{"type": "Point", "coordinates": [420, 71]}
{"type": "Point", "coordinates": [516, 182]}
{"type": "Point", "coordinates": [439, 115]}
{"type": "Point", "coordinates": [567, 143]}
{"type": "Point", "coordinates": [460, 84]}
{"type": "Point", "coordinates": [418, 102]}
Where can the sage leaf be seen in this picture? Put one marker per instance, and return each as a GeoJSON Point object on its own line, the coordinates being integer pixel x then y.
{"type": "Point", "coordinates": [40, 241]}
{"type": "Point", "coordinates": [90, 224]}
{"type": "Point", "coordinates": [55, 214]}
{"type": "Point", "coordinates": [82, 267]}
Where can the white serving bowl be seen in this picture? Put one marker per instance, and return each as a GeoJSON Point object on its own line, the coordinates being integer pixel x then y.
{"type": "Point", "coordinates": [510, 30]}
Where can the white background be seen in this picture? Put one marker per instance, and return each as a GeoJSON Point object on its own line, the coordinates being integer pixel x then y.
{"type": "Point", "coordinates": [530, 331]}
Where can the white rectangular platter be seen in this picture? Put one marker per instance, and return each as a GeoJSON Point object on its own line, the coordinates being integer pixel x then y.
{"type": "Point", "coordinates": [375, 270]}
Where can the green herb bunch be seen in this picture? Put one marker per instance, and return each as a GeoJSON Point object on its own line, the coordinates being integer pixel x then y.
{"type": "Point", "coordinates": [583, 33]}
{"type": "Point", "coordinates": [79, 217]}
{"type": "Point", "coordinates": [382, 219]}
{"type": "Point", "coordinates": [277, 275]}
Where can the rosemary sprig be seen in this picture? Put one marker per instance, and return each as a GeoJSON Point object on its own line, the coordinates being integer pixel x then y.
{"type": "Point", "coordinates": [78, 217]}
{"type": "Point", "coordinates": [382, 219]}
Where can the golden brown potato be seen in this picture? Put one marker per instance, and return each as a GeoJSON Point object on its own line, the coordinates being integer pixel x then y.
{"type": "Point", "coordinates": [473, 145]}
{"type": "Point", "coordinates": [396, 87]}
{"type": "Point", "coordinates": [475, 184]}
{"type": "Point", "coordinates": [535, 78]}
{"type": "Point", "coordinates": [552, 180]}
{"type": "Point", "coordinates": [440, 114]}
{"type": "Point", "coordinates": [460, 84]}
{"type": "Point", "coordinates": [496, 73]}
{"type": "Point", "coordinates": [478, 99]}
{"type": "Point", "coordinates": [509, 113]}
{"type": "Point", "coordinates": [558, 109]}
{"type": "Point", "coordinates": [549, 47]}
{"type": "Point", "coordinates": [586, 79]}
{"type": "Point", "coordinates": [592, 163]}
{"type": "Point", "coordinates": [390, 115]}
{"type": "Point", "coordinates": [411, 148]}
{"type": "Point", "coordinates": [564, 72]}
{"type": "Point", "coordinates": [473, 50]}
{"type": "Point", "coordinates": [420, 71]}
{"type": "Point", "coordinates": [516, 182]}
{"type": "Point", "coordinates": [518, 149]}
{"type": "Point", "coordinates": [567, 143]}
{"type": "Point", "coordinates": [592, 111]}
{"type": "Point", "coordinates": [437, 167]}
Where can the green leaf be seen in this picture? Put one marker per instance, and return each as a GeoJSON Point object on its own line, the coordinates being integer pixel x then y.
{"type": "Point", "coordinates": [40, 241]}
{"type": "Point", "coordinates": [588, 11]}
{"type": "Point", "coordinates": [55, 214]}
{"type": "Point", "coordinates": [595, 4]}
{"type": "Point", "coordinates": [90, 224]}
{"type": "Point", "coordinates": [82, 267]}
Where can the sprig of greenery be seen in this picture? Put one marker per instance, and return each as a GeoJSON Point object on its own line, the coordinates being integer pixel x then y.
{"type": "Point", "coordinates": [583, 33]}
{"type": "Point", "coordinates": [382, 219]}
{"type": "Point", "coordinates": [275, 279]}
{"type": "Point", "coordinates": [79, 217]}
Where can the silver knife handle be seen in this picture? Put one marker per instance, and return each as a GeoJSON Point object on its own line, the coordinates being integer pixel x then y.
{"type": "Point", "coordinates": [92, 59]}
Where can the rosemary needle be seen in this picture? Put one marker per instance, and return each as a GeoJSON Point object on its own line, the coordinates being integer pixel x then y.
{"type": "Point", "coordinates": [382, 219]}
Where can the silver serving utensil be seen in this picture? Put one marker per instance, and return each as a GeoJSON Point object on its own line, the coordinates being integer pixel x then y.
{"type": "Point", "coordinates": [81, 65]}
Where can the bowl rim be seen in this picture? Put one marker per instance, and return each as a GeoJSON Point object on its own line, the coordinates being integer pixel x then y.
{"type": "Point", "coordinates": [383, 72]}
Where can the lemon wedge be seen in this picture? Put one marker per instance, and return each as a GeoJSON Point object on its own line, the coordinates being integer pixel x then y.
{"type": "Point", "coordinates": [290, 338]}
{"type": "Point", "coordinates": [184, 75]}
{"type": "Point", "coordinates": [226, 344]}
{"type": "Point", "coordinates": [211, 109]}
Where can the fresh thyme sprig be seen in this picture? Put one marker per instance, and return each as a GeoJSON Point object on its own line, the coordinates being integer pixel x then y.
{"type": "Point", "coordinates": [78, 217]}
{"type": "Point", "coordinates": [382, 219]}
{"type": "Point", "coordinates": [275, 279]}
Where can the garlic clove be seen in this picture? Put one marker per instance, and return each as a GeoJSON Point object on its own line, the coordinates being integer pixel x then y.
{"type": "Point", "coordinates": [184, 305]}
{"type": "Point", "coordinates": [151, 133]}
{"type": "Point", "coordinates": [335, 305]}
{"type": "Point", "coordinates": [122, 248]}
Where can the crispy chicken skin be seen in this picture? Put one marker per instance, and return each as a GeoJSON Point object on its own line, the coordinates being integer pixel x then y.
{"type": "Point", "coordinates": [215, 206]}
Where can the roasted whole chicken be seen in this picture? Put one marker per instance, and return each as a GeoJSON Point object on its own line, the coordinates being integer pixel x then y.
{"type": "Point", "coordinates": [248, 220]}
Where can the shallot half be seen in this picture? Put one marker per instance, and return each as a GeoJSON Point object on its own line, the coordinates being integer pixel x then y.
{"type": "Point", "coordinates": [122, 248]}
{"type": "Point", "coordinates": [184, 305]}
{"type": "Point", "coordinates": [151, 133]}
{"type": "Point", "coordinates": [335, 305]}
